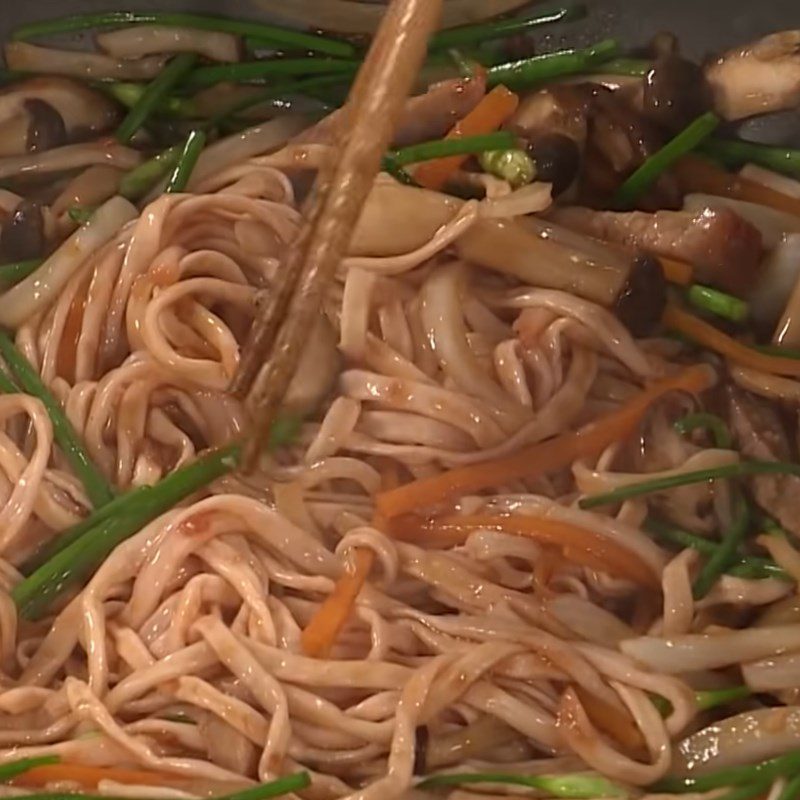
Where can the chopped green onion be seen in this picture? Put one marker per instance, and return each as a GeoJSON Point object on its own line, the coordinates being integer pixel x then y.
{"type": "Point", "coordinates": [644, 177]}
{"type": "Point", "coordinates": [634, 67]}
{"type": "Point", "coordinates": [484, 32]}
{"type": "Point", "coordinates": [97, 487]}
{"type": "Point", "coordinates": [725, 554]}
{"type": "Point", "coordinates": [187, 161]}
{"type": "Point", "coordinates": [777, 350]}
{"type": "Point", "coordinates": [129, 94]}
{"type": "Point", "coordinates": [712, 698]}
{"type": "Point", "coordinates": [442, 148]}
{"type": "Point", "coordinates": [711, 422]}
{"type": "Point", "coordinates": [11, 274]}
{"type": "Point", "coordinates": [246, 71]}
{"type": "Point", "coordinates": [527, 71]}
{"type": "Point", "coordinates": [765, 772]}
{"type": "Point", "coordinates": [748, 792]}
{"type": "Point", "coordinates": [154, 94]}
{"type": "Point", "coordinates": [735, 153]}
{"type": "Point", "coordinates": [751, 567]}
{"type": "Point", "coordinates": [398, 173]}
{"type": "Point", "coordinates": [792, 789]}
{"type": "Point", "coordinates": [285, 37]}
{"type": "Point", "coordinates": [80, 214]}
{"type": "Point", "coordinates": [140, 180]}
{"type": "Point", "coordinates": [75, 563]}
{"type": "Point", "coordinates": [264, 791]}
{"type": "Point", "coordinates": [738, 470]}
{"type": "Point", "coordinates": [567, 786]}
{"type": "Point", "coordinates": [13, 768]}
{"type": "Point", "coordinates": [718, 303]}
{"type": "Point", "coordinates": [513, 166]}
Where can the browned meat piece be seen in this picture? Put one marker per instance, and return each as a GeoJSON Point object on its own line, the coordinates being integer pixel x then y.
{"type": "Point", "coordinates": [425, 117]}
{"type": "Point", "coordinates": [758, 78]}
{"type": "Point", "coordinates": [760, 434]}
{"type": "Point", "coordinates": [724, 249]}
{"type": "Point", "coordinates": [557, 110]}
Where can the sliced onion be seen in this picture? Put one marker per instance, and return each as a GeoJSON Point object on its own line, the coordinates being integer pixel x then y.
{"type": "Point", "coordinates": [779, 276]}
{"type": "Point", "coordinates": [79, 63]}
{"type": "Point", "coordinates": [747, 738]}
{"type": "Point", "coordinates": [699, 651]}
{"type": "Point", "coordinates": [138, 41]}
{"type": "Point", "coordinates": [773, 674]}
{"type": "Point", "coordinates": [38, 290]}
{"type": "Point", "coordinates": [773, 225]}
{"type": "Point", "coordinates": [255, 141]}
{"type": "Point", "coordinates": [772, 180]}
{"type": "Point", "coordinates": [90, 188]}
{"type": "Point", "coordinates": [73, 156]}
{"type": "Point", "coordinates": [354, 16]}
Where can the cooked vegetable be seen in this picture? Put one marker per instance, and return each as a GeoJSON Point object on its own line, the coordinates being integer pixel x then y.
{"type": "Point", "coordinates": [187, 160]}
{"type": "Point", "coordinates": [139, 181]}
{"type": "Point", "coordinates": [710, 337]}
{"type": "Point", "coordinates": [537, 69]}
{"type": "Point", "coordinates": [497, 142]}
{"type": "Point", "coordinates": [675, 92]}
{"type": "Point", "coordinates": [644, 177]}
{"type": "Point", "coordinates": [490, 113]}
{"type": "Point", "coordinates": [735, 153]}
{"type": "Point", "coordinates": [13, 768]}
{"type": "Point", "coordinates": [513, 166]}
{"type": "Point", "coordinates": [130, 94]}
{"type": "Point", "coordinates": [711, 422]}
{"type": "Point", "coordinates": [280, 36]}
{"type": "Point", "coordinates": [718, 303]}
{"type": "Point", "coordinates": [136, 41]}
{"type": "Point", "coordinates": [14, 273]}
{"type": "Point", "coordinates": [259, 71]}
{"type": "Point", "coordinates": [567, 786]}
{"type": "Point", "coordinates": [500, 29]}
{"type": "Point", "coordinates": [97, 488]}
{"type": "Point", "coordinates": [548, 456]}
{"type": "Point", "coordinates": [644, 296]}
{"type": "Point", "coordinates": [171, 75]}
{"type": "Point", "coordinates": [557, 160]}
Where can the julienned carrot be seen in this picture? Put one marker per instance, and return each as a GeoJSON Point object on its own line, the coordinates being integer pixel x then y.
{"type": "Point", "coordinates": [678, 272]}
{"type": "Point", "coordinates": [541, 458]}
{"type": "Point", "coordinates": [495, 108]}
{"type": "Point", "coordinates": [87, 776]}
{"type": "Point", "coordinates": [321, 633]}
{"type": "Point", "coordinates": [579, 545]}
{"type": "Point", "coordinates": [714, 339]}
{"type": "Point", "coordinates": [696, 175]}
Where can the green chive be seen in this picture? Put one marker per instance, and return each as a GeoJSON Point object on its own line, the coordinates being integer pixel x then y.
{"type": "Point", "coordinates": [655, 166]}
{"type": "Point", "coordinates": [537, 69]}
{"type": "Point", "coordinates": [285, 37]}
{"type": "Point", "coordinates": [567, 786]}
{"type": "Point", "coordinates": [634, 67]}
{"type": "Point", "coordinates": [80, 214]}
{"type": "Point", "coordinates": [13, 768]}
{"type": "Point", "coordinates": [154, 94]}
{"type": "Point", "coordinates": [713, 698]}
{"type": "Point", "coordinates": [187, 161]}
{"type": "Point", "coordinates": [129, 94]}
{"type": "Point", "coordinates": [97, 487]}
{"type": "Point", "coordinates": [247, 71]}
{"type": "Point", "coordinates": [142, 179]}
{"type": "Point", "coordinates": [735, 153]}
{"type": "Point", "coordinates": [501, 29]}
{"type": "Point", "coordinates": [792, 789]}
{"type": "Point", "coordinates": [714, 424]}
{"type": "Point", "coordinates": [718, 303]}
{"type": "Point", "coordinates": [11, 274]}
{"type": "Point", "coordinates": [739, 470]}
{"type": "Point", "coordinates": [442, 148]}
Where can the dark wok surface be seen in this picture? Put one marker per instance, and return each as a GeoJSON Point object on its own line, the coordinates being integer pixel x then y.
{"type": "Point", "coordinates": [703, 27]}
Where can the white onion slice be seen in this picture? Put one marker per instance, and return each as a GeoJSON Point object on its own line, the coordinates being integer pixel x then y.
{"type": "Point", "coordinates": [70, 157]}
{"type": "Point", "coordinates": [772, 180]}
{"type": "Point", "coordinates": [747, 738]}
{"type": "Point", "coordinates": [138, 41]}
{"type": "Point", "coordinates": [40, 289]}
{"type": "Point", "coordinates": [79, 63]}
{"type": "Point", "coordinates": [589, 621]}
{"type": "Point", "coordinates": [779, 276]}
{"type": "Point", "coordinates": [699, 651]}
{"type": "Point", "coordinates": [773, 674]}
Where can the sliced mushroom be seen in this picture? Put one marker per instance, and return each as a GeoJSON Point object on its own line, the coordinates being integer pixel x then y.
{"type": "Point", "coordinates": [758, 78]}
{"type": "Point", "coordinates": [137, 41]}
{"type": "Point", "coordinates": [675, 92]}
{"type": "Point", "coordinates": [23, 235]}
{"type": "Point", "coordinates": [724, 249]}
{"type": "Point", "coordinates": [83, 111]}
{"type": "Point", "coordinates": [761, 434]}
{"type": "Point", "coordinates": [38, 127]}
{"type": "Point", "coordinates": [425, 117]}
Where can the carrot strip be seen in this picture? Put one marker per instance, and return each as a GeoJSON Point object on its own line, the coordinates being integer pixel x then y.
{"type": "Point", "coordinates": [678, 272]}
{"type": "Point", "coordinates": [538, 459]}
{"type": "Point", "coordinates": [321, 633]}
{"type": "Point", "coordinates": [579, 545]}
{"type": "Point", "coordinates": [495, 108]}
{"type": "Point", "coordinates": [698, 175]}
{"type": "Point", "coordinates": [714, 339]}
{"type": "Point", "coordinates": [88, 776]}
